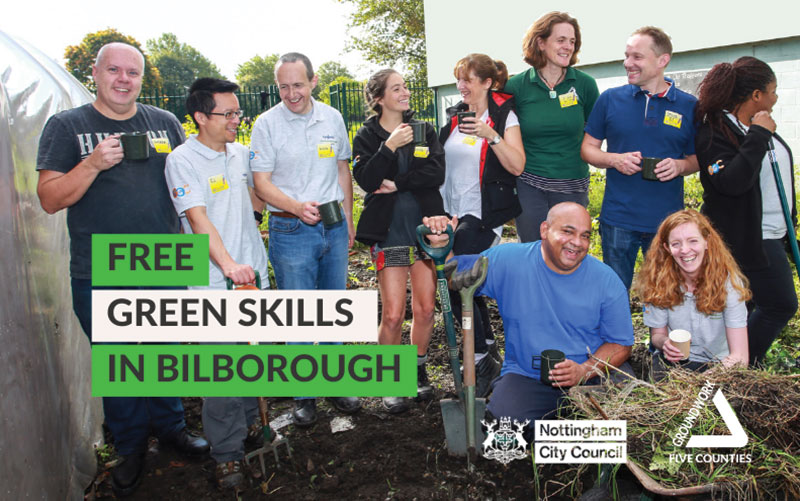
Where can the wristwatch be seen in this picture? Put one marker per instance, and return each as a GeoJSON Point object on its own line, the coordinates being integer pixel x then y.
{"type": "Point", "coordinates": [495, 140]}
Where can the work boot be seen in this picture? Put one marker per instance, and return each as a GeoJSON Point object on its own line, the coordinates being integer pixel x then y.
{"type": "Point", "coordinates": [347, 405]}
{"type": "Point", "coordinates": [395, 405]}
{"type": "Point", "coordinates": [494, 352]}
{"type": "Point", "coordinates": [424, 388]}
{"type": "Point", "coordinates": [485, 372]}
{"type": "Point", "coordinates": [186, 442]}
{"type": "Point", "coordinates": [125, 477]}
{"type": "Point", "coordinates": [305, 412]}
{"type": "Point", "coordinates": [229, 474]}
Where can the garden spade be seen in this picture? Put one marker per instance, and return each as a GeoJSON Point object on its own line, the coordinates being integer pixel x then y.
{"type": "Point", "coordinates": [462, 417]}
{"type": "Point", "coordinates": [787, 214]}
{"type": "Point", "coordinates": [271, 443]}
{"type": "Point", "coordinates": [439, 256]}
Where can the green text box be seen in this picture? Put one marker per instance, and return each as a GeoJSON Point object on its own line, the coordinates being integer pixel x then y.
{"type": "Point", "coordinates": [253, 370]}
{"type": "Point", "coordinates": [162, 260]}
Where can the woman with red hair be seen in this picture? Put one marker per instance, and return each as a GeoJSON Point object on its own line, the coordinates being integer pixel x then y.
{"type": "Point", "coordinates": [689, 280]}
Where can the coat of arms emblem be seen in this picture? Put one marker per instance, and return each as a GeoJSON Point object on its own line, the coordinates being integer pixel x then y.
{"type": "Point", "coordinates": [506, 443]}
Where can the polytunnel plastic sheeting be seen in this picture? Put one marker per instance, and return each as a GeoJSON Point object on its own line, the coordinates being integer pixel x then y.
{"type": "Point", "coordinates": [49, 423]}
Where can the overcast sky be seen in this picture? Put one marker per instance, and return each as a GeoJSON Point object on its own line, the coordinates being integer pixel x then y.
{"type": "Point", "coordinates": [228, 38]}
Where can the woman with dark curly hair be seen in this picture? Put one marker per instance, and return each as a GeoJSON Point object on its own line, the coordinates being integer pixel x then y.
{"type": "Point", "coordinates": [736, 145]}
{"type": "Point", "coordinates": [553, 101]}
{"type": "Point", "coordinates": [690, 281]}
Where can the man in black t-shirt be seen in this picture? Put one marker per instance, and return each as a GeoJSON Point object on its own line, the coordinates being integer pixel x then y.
{"type": "Point", "coordinates": [82, 169]}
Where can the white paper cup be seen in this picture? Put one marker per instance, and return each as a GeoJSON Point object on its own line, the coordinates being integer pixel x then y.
{"type": "Point", "coordinates": [681, 339]}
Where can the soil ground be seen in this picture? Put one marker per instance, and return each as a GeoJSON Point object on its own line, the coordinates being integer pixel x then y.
{"type": "Point", "coordinates": [383, 457]}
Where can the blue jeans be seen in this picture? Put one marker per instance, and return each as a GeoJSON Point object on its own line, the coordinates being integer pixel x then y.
{"type": "Point", "coordinates": [308, 257]}
{"type": "Point", "coordinates": [130, 419]}
{"type": "Point", "coordinates": [620, 248]}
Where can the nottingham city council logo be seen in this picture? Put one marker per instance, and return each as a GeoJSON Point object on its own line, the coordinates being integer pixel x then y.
{"type": "Point", "coordinates": [505, 444]}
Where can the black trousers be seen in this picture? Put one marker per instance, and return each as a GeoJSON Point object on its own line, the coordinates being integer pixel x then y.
{"type": "Point", "coordinates": [774, 300]}
{"type": "Point", "coordinates": [469, 238]}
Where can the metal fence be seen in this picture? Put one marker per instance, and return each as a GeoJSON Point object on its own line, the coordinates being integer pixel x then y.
{"type": "Point", "coordinates": [252, 100]}
{"type": "Point", "coordinates": [348, 98]}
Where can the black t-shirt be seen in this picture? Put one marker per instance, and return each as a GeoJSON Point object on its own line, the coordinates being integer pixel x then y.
{"type": "Point", "coordinates": [406, 214]}
{"type": "Point", "coordinates": [130, 197]}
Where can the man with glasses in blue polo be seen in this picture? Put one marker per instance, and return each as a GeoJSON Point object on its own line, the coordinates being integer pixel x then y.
{"type": "Point", "coordinates": [300, 160]}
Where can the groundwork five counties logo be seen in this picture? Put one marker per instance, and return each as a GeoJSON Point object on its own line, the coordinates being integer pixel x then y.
{"type": "Point", "coordinates": [736, 439]}
{"type": "Point", "coordinates": [505, 444]}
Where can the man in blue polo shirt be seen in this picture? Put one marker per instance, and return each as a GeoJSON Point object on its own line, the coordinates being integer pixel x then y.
{"type": "Point", "coordinates": [649, 117]}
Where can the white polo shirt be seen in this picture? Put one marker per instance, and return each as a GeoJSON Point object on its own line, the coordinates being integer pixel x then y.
{"type": "Point", "coordinates": [301, 151]}
{"type": "Point", "coordinates": [198, 176]}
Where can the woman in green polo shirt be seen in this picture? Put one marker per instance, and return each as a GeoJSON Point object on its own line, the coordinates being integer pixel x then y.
{"type": "Point", "coordinates": [553, 101]}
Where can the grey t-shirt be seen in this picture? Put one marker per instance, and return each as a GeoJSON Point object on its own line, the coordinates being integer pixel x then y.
{"type": "Point", "coordinates": [199, 176]}
{"type": "Point", "coordinates": [130, 197]}
{"type": "Point", "coordinates": [709, 339]}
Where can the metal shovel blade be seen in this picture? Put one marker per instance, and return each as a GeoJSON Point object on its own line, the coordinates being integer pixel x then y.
{"type": "Point", "coordinates": [455, 429]}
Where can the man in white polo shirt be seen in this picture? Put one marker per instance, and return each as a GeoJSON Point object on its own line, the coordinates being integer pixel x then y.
{"type": "Point", "coordinates": [208, 178]}
{"type": "Point", "coordinates": [300, 160]}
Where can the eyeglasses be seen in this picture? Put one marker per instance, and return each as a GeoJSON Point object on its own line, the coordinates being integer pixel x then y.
{"type": "Point", "coordinates": [228, 114]}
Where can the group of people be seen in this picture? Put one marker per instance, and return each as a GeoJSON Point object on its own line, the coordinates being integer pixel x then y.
{"type": "Point", "coordinates": [515, 148]}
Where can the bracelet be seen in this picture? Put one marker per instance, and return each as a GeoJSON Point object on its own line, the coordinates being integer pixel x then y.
{"type": "Point", "coordinates": [259, 216]}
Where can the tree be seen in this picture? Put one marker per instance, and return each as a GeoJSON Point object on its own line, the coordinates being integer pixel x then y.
{"type": "Point", "coordinates": [257, 71]}
{"type": "Point", "coordinates": [325, 94]}
{"type": "Point", "coordinates": [178, 63]}
{"type": "Point", "coordinates": [327, 73]}
{"type": "Point", "coordinates": [388, 31]}
{"type": "Point", "coordinates": [80, 58]}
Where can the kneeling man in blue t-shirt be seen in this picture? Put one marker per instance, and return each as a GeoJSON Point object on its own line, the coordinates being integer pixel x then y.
{"type": "Point", "coordinates": [552, 296]}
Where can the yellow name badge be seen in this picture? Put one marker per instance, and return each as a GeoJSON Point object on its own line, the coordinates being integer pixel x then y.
{"type": "Point", "coordinates": [161, 144]}
{"type": "Point", "coordinates": [470, 140]}
{"type": "Point", "coordinates": [568, 99]}
{"type": "Point", "coordinates": [422, 151]}
{"type": "Point", "coordinates": [673, 119]}
{"type": "Point", "coordinates": [325, 150]}
{"type": "Point", "coordinates": [218, 183]}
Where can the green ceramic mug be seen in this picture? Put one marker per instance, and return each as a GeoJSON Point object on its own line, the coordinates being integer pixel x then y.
{"type": "Point", "coordinates": [135, 146]}
{"type": "Point", "coordinates": [462, 115]}
{"type": "Point", "coordinates": [649, 168]}
{"type": "Point", "coordinates": [548, 360]}
{"type": "Point", "coordinates": [331, 213]}
{"type": "Point", "coordinates": [419, 132]}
